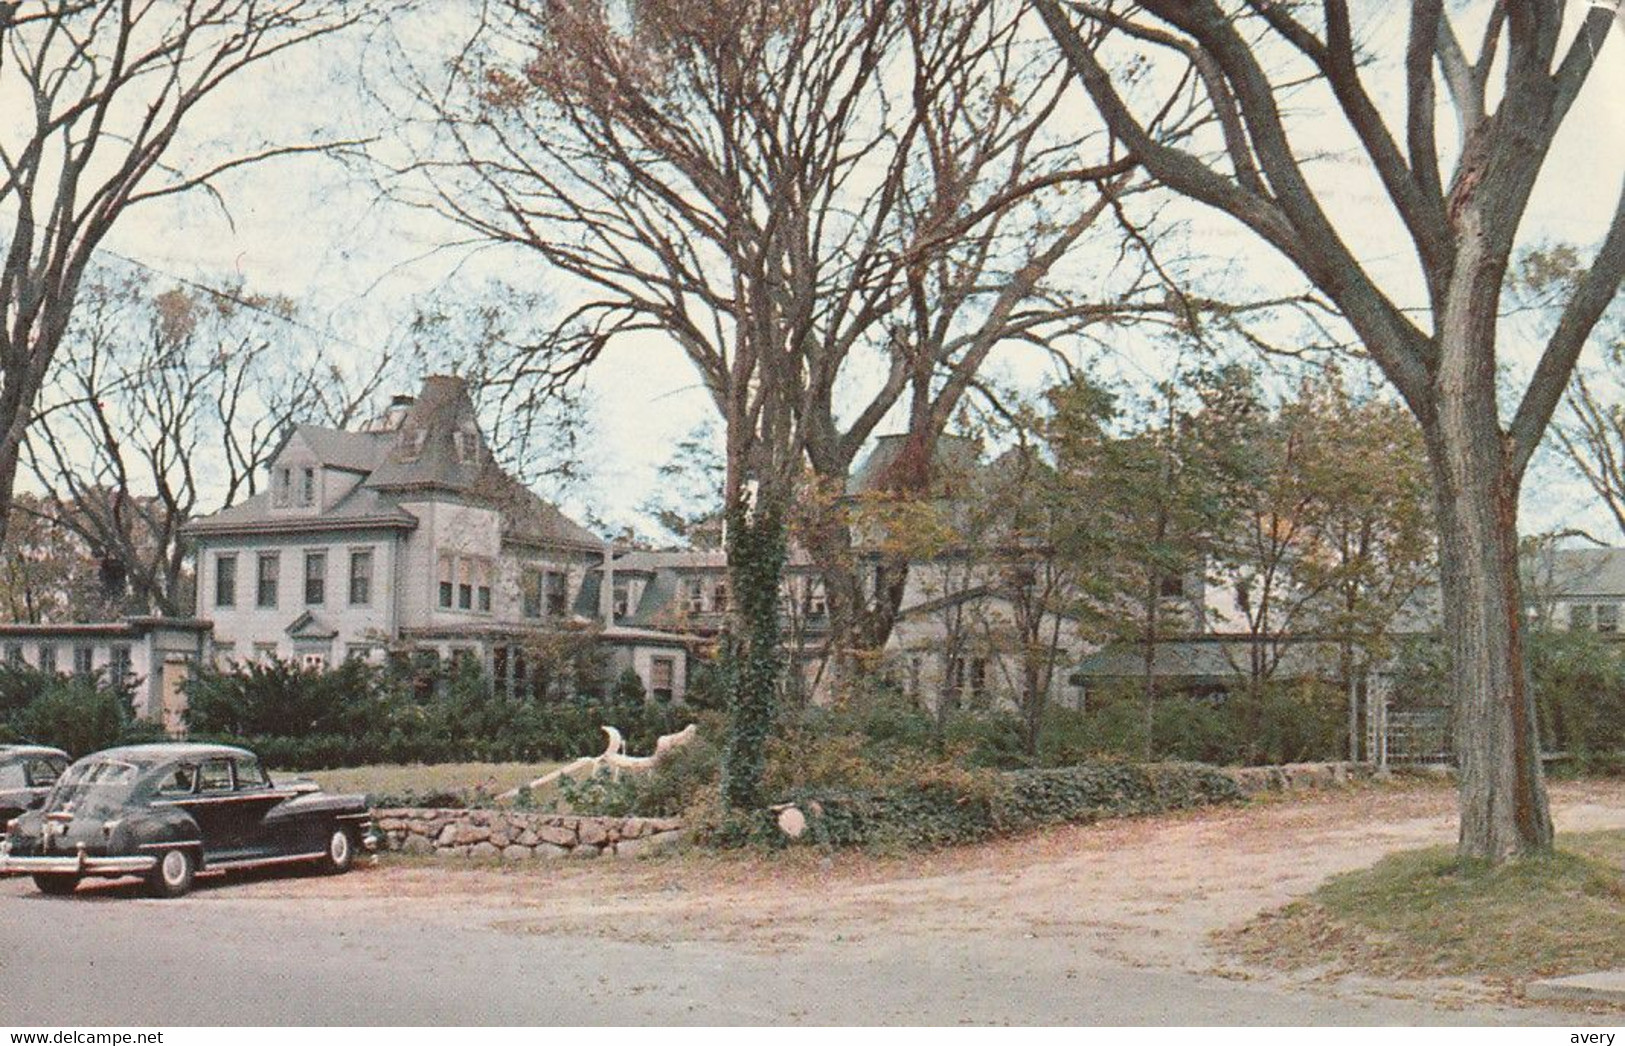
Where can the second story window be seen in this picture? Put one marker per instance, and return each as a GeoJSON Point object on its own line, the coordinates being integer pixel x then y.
{"type": "Point", "coordinates": [307, 486]}
{"type": "Point", "coordinates": [225, 580]}
{"type": "Point", "coordinates": [448, 564]}
{"type": "Point", "coordinates": [622, 600]}
{"type": "Point", "coordinates": [817, 606]}
{"type": "Point", "coordinates": [265, 592]}
{"type": "Point", "coordinates": [361, 577]}
{"type": "Point", "coordinates": [694, 595]}
{"type": "Point", "coordinates": [558, 593]}
{"type": "Point", "coordinates": [530, 595]}
{"type": "Point", "coordinates": [482, 586]}
{"type": "Point", "coordinates": [465, 584]}
{"type": "Point", "coordinates": [719, 597]}
{"type": "Point", "coordinates": [282, 487]}
{"type": "Point", "coordinates": [315, 578]}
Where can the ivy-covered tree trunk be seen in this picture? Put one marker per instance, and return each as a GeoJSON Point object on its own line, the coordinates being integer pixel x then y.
{"type": "Point", "coordinates": [752, 658]}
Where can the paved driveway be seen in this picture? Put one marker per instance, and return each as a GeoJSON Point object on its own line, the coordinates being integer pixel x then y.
{"type": "Point", "coordinates": [1096, 925]}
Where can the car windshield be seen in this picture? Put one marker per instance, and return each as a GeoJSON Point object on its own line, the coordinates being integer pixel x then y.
{"type": "Point", "coordinates": [100, 784]}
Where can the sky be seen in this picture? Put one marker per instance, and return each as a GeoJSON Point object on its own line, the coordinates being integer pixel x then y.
{"type": "Point", "coordinates": [316, 230]}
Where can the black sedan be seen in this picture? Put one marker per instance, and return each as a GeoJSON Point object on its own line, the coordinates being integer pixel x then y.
{"type": "Point", "coordinates": [169, 811]}
{"type": "Point", "coordinates": [27, 773]}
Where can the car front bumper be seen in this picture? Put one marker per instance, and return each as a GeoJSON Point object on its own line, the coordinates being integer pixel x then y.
{"type": "Point", "coordinates": [77, 863]}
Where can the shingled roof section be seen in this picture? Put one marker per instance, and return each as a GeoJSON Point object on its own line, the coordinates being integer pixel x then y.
{"type": "Point", "coordinates": [437, 448]}
{"type": "Point", "coordinates": [360, 508]}
{"type": "Point", "coordinates": [955, 458]}
{"type": "Point", "coordinates": [351, 451]}
{"type": "Point", "coordinates": [438, 445]}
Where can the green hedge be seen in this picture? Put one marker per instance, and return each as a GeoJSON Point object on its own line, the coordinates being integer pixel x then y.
{"type": "Point", "coordinates": [940, 814]}
{"type": "Point", "coordinates": [79, 713]}
{"type": "Point", "coordinates": [356, 714]}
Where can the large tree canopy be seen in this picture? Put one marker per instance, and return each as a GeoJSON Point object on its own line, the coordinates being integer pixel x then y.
{"type": "Point", "coordinates": [1460, 209]}
{"type": "Point", "coordinates": [98, 98]}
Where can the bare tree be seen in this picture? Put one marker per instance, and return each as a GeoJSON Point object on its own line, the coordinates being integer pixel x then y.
{"type": "Point", "coordinates": [163, 405]}
{"type": "Point", "coordinates": [1462, 228]}
{"type": "Point", "coordinates": [100, 94]}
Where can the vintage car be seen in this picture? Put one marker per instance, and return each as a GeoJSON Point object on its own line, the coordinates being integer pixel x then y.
{"type": "Point", "coordinates": [169, 811]}
{"type": "Point", "coordinates": [27, 772]}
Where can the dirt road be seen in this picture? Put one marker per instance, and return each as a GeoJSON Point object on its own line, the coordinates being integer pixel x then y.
{"type": "Point", "coordinates": [1104, 923]}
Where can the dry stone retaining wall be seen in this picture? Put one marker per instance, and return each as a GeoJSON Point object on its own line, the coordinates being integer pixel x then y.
{"type": "Point", "coordinates": [1298, 777]}
{"type": "Point", "coordinates": [518, 835]}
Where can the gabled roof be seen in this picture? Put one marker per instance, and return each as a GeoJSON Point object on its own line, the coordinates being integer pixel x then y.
{"type": "Point", "coordinates": [953, 460]}
{"type": "Point", "coordinates": [1580, 573]}
{"type": "Point", "coordinates": [311, 626]}
{"type": "Point", "coordinates": [351, 451]}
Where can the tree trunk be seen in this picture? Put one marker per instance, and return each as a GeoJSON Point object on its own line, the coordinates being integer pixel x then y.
{"type": "Point", "coordinates": [752, 660]}
{"type": "Point", "coordinates": [1503, 793]}
{"type": "Point", "coordinates": [858, 627]}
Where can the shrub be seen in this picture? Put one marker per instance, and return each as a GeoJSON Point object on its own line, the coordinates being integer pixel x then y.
{"type": "Point", "coordinates": [78, 714]}
{"type": "Point", "coordinates": [944, 811]}
{"type": "Point", "coordinates": [405, 712]}
{"type": "Point", "coordinates": [1579, 684]}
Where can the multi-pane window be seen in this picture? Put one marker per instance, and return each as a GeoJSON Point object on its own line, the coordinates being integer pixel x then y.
{"type": "Point", "coordinates": [465, 583]}
{"type": "Point", "coordinates": [662, 678]}
{"type": "Point", "coordinates": [265, 589]}
{"type": "Point", "coordinates": [1580, 619]}
{"type": "Point", "coordinates": [84, 660]}
{"type": "Point", "coordinates": [47, 657]}
{"type": "Point", "coordinates": [448, 565]}
{"type": "Point", "coordinates": [719, 597]}
{"type": "Point", "coordinates": [119, 667]}
{"type": "Point", "coordinates": [225, 579]}
{"type": "Point", "coordinates": [361, 577]}
{"type": "Point", "coordinates": [1607, 617]}
{"type": "Point", "coordinates": [694, 595]}
{"type": "Point", "coordinates": [558, 593]}
{"type": "Point", "coordinates": [531, 593]}
{"type": "Point", "coordinates": [315, 578]}
{"type": "Point", "coordinates": [282, 487]}
{"type": "Point", "coordinates": [307, 486]}
{"type": "Point", "coordinates": [817, 606]}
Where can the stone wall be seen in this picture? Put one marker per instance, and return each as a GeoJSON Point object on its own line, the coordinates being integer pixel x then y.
{"type": "Point", "coordinates": [1298, 777]}
{"type": "Point", "coordinates": [521, 835]}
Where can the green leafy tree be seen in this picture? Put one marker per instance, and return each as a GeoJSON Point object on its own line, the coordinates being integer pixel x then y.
{"type": "Point", "coordinates": [1460, 208]}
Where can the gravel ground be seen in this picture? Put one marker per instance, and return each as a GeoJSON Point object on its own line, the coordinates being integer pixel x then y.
{"type": "Point", "coordinates": [1108, 923]}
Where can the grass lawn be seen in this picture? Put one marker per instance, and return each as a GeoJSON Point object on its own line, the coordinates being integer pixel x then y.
{"type": "Point", "coordinates": [489, 778]}
{"type": "Point", "coordinates": [1419, 914]}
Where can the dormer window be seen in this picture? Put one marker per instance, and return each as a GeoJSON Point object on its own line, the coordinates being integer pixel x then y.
{"type": "Point", "coordinates": [282, 487]}
{"type": "Point", "coordinates": [307, 486]}
{"type": "Point", "coordinates": [412, 444]}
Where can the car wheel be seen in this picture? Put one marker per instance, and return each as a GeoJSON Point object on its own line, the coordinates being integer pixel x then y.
{"type": "Point", "coordinates": [57, 885]}
{"type": "Point", "coordinates": [340, 855]}
{"type": "Point", "coordinates": [173, 876]}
